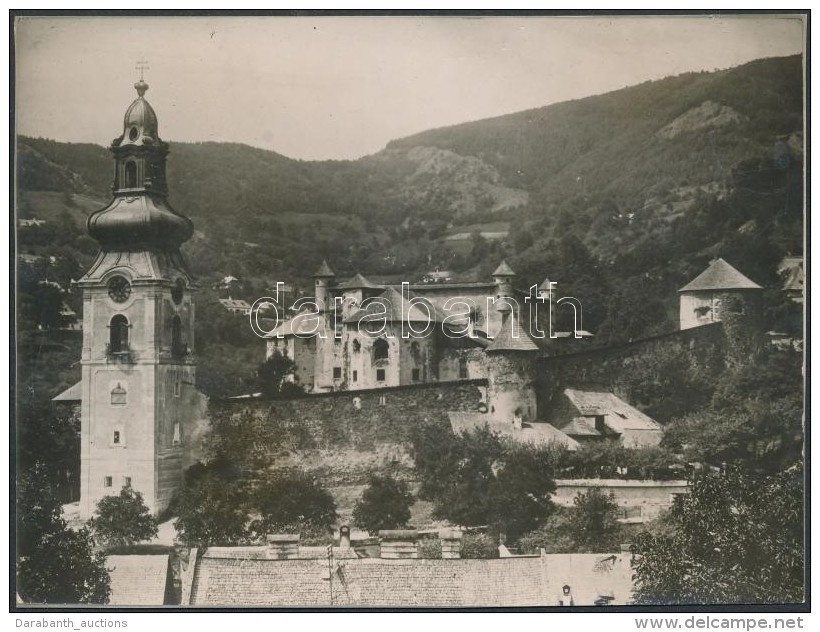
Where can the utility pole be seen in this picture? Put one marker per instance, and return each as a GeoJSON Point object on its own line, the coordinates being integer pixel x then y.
{"type": "Point", "coordinates": [330, 570]}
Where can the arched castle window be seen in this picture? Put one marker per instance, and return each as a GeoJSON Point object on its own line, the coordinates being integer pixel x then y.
{"type": "Point", "coordinates": [118, 334]}
{"type": "Point", "coordinates": [130, 175]}
{"type": "Point", "coordinates": [462, 368]}
{"type": "Point", "coordinates": [381, 350]}
{"type": "Point", "coordinates": [357, 346]}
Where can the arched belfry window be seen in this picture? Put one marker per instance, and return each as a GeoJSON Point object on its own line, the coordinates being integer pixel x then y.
{"type": "Point", "coordinates": [177, 346]}
{"type": "Point", "coordinates": [130, 175]}
{"type": "Point", "coordinates": [118, 334]}
{"type": "Point", "coordinates": [381, 350]}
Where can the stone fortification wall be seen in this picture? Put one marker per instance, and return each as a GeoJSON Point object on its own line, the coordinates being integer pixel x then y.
{"type": "Point", "coordinates": [362, 418]}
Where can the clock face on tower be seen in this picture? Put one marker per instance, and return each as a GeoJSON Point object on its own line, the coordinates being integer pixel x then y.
{"type": "Point", "coordinates": [119, 289]}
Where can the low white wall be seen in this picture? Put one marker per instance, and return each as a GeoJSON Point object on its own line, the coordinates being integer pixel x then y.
{"type": "Point", "coordinates": [640, 500]}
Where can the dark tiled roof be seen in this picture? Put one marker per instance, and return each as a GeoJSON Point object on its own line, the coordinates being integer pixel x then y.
{"type": "Point", "coordinates": [720, 276]}
{"type": "Point", "coordinates": [137, 580]}
{"type": "Point", "coordinates": [519, 581]}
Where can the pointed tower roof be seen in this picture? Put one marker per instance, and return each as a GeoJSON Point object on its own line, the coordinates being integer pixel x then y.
{"type": "Point", "coordinates": [720, 276]}
{"type": "Point", "coordinates": [324, 271]}
{"type": "Point", "coordinates": [503, 270]}
{"type": "Point", "coordinates": [545, 284]}
{"type": "Point", "coordinates": [512, 337]}
{"type": "Point", "coordinates": [359, 282]}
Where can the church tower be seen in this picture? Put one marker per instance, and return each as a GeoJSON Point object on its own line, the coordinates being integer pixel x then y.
{"type": "Point", "coordinates": [138, 323]}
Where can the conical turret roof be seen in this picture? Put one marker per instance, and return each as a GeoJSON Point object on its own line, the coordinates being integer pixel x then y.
{"type": "Point", "coordinates": [720, 276]}
{"type": "Point", "coordinates": [324, 271]}
{"type": "Point", "coordinates": [503, 269]}
{"type": "Point", "coordinates": [512, 337]}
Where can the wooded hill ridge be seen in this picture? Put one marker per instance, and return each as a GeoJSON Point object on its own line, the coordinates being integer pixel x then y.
{"type": "Point", "coordinates": [635, 189]}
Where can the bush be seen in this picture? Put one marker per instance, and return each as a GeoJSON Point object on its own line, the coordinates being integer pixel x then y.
{"type": "Point", "coordinates": [594, 520]}
{"type": "Point", "coordinates": [429, 548]}
{"type": "Point", "coordinates": [478, 546]}
{"type": "Point", "coordinates": [123, 520]}
{"type": "Point", "coordinates": [211, 507]}
{"type": "Point", "coordinates": [292, 501]}
{"type": "Point", "coordinates": [385, 504]}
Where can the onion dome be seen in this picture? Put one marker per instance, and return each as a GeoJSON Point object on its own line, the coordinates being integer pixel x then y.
{"type": "Point", "coordinates": [141, 221]}
{"type": "Point", "coordinates": [139, 216]}
{"type": "Point", "coordinates": [140, 125]}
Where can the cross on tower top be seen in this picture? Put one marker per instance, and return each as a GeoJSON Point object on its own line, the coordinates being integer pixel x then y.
{"type": "Point", "coordinates": [142, 66]}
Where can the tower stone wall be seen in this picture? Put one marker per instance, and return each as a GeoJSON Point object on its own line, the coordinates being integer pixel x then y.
{"type": "Point", "coordinates": [139, 401]}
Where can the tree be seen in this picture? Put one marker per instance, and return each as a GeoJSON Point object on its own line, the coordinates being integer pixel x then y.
{"type": "Point", "coordinates": [211, 506]}
{"type": "Point", "coordinates": [271, 376]}
{"type": "Point", "coordinates": [594, 520]}
{"type": "Point", "coordinates": [293, 501]}
{"type": "Point", "coordinates": [739, 539]}
{"type": "Point", "coordinates": [384, 504]}
{"type": "Point", "coordinates": [476, 479]}
{"type": "Point", "coordinates": [589, 526]}
{"type": "Point", "coordinates": [55, 564]}
{"type": "Point", "coordinates": [123, 520]}
{"type": "Point", "coordinates": [48, 435]}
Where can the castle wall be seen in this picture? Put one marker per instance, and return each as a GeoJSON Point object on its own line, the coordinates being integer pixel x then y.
{"type": "Point", "coordinates": [451, 361]}
{"type": "Point", "coordinates": [363, 417]}
{"type": "Point", "coordinates": [611, 368]}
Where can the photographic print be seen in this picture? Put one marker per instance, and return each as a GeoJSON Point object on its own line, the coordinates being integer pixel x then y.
{"type": "Point", "coordinates": [409, 311]}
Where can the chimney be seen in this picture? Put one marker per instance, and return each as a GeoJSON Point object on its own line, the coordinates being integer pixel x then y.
{"type": "Point", "coordinates": [450, 544]}
{"type": "Point", "coordinates": [283, 547]}
{"type": "Point", "coordinates": [398, 544]}
{"type": "Point", "coordinates": [344, 537]}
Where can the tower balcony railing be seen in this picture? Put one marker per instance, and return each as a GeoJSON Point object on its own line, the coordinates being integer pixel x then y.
{"type": "Point", "coordinates": [119, 353]}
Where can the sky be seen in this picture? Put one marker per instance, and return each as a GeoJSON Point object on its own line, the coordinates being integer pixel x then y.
{"type": "Point", "coordinates": [342, 87]}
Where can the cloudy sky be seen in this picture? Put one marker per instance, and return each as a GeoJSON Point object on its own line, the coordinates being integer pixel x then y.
{"type": "Point", "coordinates": [342, 87]}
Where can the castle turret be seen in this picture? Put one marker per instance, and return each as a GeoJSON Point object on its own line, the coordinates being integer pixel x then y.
{"type": "Point", "coordinates": [324, 278]}
{"type": "Point", "coordinates": [702, 301]}
{"type": "Point", "coordinates": [503, 279]}
{"type": "Point", "coordinates": [511, 374]}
